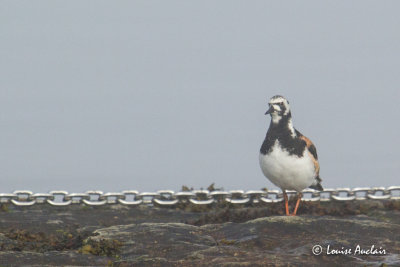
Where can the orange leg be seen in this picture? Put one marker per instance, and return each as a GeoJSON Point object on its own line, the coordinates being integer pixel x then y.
{"type": "Point", "coordinates": [286, 202]}
{"type": "Point", "coordinates": [299, 196]}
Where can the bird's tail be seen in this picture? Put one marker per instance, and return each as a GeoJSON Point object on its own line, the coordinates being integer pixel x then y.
{"type": "Point", "coordinates": [317, 185]}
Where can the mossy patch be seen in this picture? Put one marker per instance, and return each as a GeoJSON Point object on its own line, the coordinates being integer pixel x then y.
{"type": "Point", "coordinates": [102, 247]}
{"type": "Point", "coordinates": [227, 242]}
{"type": "Point", "coordinates": [62, 239]}
{"type": "Point", "coordinates": [4, 207]}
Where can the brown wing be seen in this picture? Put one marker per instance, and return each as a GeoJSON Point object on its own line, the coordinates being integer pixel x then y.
{"type": "Point", "coordinates": [312, 151]}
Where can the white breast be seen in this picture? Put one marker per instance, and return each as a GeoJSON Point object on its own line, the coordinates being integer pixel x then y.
{"type": "Point", "coordinates": [288, 172]}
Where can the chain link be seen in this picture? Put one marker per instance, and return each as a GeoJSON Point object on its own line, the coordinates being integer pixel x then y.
{"type": "Point", "coordinates": [169, 198]}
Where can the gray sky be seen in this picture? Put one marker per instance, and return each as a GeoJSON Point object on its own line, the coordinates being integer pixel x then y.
{"type": "Point", "coordinates": [149, 95]}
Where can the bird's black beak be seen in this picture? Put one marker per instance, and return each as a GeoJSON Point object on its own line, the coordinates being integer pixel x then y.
{"type": "Point", "coordinates": [271, 109]}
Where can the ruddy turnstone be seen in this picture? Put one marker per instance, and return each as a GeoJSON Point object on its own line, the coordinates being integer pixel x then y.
{"type": "Point", "coordinates": [288, 158]}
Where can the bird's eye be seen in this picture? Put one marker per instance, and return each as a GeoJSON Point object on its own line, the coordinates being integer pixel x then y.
{"type": "Point", "coordinates": [281, 103]}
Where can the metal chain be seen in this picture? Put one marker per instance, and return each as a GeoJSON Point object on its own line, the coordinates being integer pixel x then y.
{"type": "Point", "coordinates": [165, 198]}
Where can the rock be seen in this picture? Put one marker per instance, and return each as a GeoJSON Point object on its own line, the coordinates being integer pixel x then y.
{"type": "Point", "coordinates": [171, 241]}
{"type": "Point", "coordinates": [244, 236]}
{"type": "Point", "coordinates": [51, 258]}
{"type": "Point", "coordinates": [265, 241]}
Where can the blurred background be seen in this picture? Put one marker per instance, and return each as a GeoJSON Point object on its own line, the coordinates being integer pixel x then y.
{"type": "Point", "coordinates": [151, 95]}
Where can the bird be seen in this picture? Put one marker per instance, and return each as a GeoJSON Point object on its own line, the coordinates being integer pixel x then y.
{"type": "Point", "coordinates": [288, 158]}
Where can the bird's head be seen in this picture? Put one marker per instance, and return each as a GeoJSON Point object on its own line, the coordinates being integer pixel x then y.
{"type": "Point", "coordinates": [278, 108]}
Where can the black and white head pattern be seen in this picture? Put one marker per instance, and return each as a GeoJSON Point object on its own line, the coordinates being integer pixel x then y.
{"type": "Point", "coordinates": [279, 108]}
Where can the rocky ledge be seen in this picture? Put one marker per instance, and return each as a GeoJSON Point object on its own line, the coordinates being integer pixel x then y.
{"type": "Point", "coordinates": [356, 233]}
